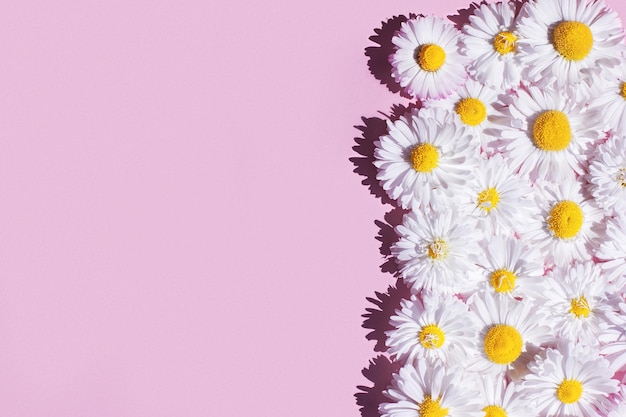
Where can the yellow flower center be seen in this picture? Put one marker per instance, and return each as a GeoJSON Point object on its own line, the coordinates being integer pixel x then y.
{"type": "Point", "coordinates": [503, 280]}
{"type": "Point", "coordinates": [621, 177]}
{"type": "Point", "coordinates": [471, 110]}
{"type": "Point", "coordinates": [503, 344]}
{"type": "Point", "coordinates": [504, 42]}
{"type": "Point", "coordinates": [580, 307]}
{"type": "Point", "coordinates": [488, 199]}
{"type": "Point", "coordinates": [431, 408]}
{"type": "Point", "coordinates": [565, 219]}
{"type": "Point", "coordinates": [430, 57]}
{"type": "Point", "coordinates": [551, 131]}
{"type": "Point", "coordinates": [622, 91]}
{"type": "Point", "coordinates": [438, 250]}
{"type": "Point", "coordinates": [424, 157]}
{"type": "Point", "coordinates": [569, 391]}
{"type": "Point", "coordinates": [494, 411]}
{"type": "Point", "coordinates": [432, 337]}
{"type": "Point", "coordinates": [573, 40]}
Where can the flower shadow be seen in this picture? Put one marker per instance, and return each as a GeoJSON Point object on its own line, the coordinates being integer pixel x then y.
{"type": "Point", "coordinates": [380, 372]}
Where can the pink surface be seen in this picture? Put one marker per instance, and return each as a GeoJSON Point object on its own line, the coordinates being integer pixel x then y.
{"type": "Point", "coordinates": [181, 232]}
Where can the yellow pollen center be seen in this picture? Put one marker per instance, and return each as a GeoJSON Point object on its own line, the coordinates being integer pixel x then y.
{"type": "Point", "coordinates": [430, 57]}
{"type": "Point", "coordinates": [622, 91]}
{"type": "Point", "coordinates": [569, 391]}
{"type": "Point", "coordinates": [551, 131]}
{"type": "Point", "coordinates": [432, 337]}
{"type": "Point", "coordinates": [431, 408]}
{"type": "Point", "coordinates": [424, 157]}
{"type": "Point", "coordinates": [488, 199]}
{"type": "Point", "coordinates": [573, 40]}
{"type": "Point", "coordinates": [503, 344]}
{"type": "Point", "coordinates": [503, 280]}
{"type": "Point", "coordinates": [565, 219]}
{"type": "Point", "coordinates": [471, 110]}
{"type": "Point", "coordinates": [438, 250]}
{"type": "Point", "coordinates": [494, 411]}
{"type": "Point", "coordinates": [621, 177]}
{"type": "Point", "coordinates": [504, 42]}
{"type": "Point", "coordinates": [580, 307]}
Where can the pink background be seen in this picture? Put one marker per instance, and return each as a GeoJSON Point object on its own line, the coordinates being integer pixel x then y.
{"type": "Point", "coordinates": [181, 232]}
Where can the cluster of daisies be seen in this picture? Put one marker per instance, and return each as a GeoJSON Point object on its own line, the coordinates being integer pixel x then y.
{"type": "Point", "coordinates": [512, 172]}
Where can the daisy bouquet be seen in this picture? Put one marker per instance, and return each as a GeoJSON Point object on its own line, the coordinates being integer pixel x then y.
{"type": "Point", "coordinates": [510, 170]}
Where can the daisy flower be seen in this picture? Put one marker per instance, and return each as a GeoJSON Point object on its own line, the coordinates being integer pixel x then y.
{"type": "Point", "coordinates": [611, 251]}
{"type": "Point", "coordinates": [569, 225]}
{"type": "Point", "coordinates": [500, 399]}
{"type": "Point", "coordinates": [426, 61]}
{"type": "Point", "coordinates": [497, 197]}
{"type": "Point", "coordinates": [429, 390]}
{"type": "Point", "coordinates": [508, 328]}
{"type": "Point", "coordinates": [491, 44]}
{"type": "Point", "coordinates": [562, 40]}
{"type": "Point", "coordinates": [578, 306]}
{"type": "Point", "coordinates": [607, 174]}
{"type": "Point", "coordinates": [511, 268]}
{"type": "Point", "coordinates": [568, 381]}
{"type": "Point", "coordinates": [424, 155]}
{"type": "Point", "coordinates": [546, 132]}
{"type": "Point", "coordinates": [610, 99]}
{"type": "Point", "coordinates": [440, 328]}
{"type": "Point", "coordinates": [436, 252]}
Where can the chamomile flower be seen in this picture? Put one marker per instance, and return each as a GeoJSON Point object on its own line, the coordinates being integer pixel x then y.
{"type": "Point", "coordinates": [508, 328]}
{"type": "Point", "coordinates": [569, 225]}
{"type": "Point", "coordinates": [424, 155]}
{"type": "Point", "coordinates": [511, 268]}
{"type": "Point", "coordinates": [578, 305]}
{"type": "Point", "coordinates": [429, 390]}
{"type": "Point", "coordinates": [426, 61]}
{"type": "Point", "coordinates": [440, 328]}
{"type": "Point", "coordinates": [546, 132]}
{"type": "Point", "coordinates": [436, 252]}
{"type": "Point", "coordinates": [497, 198]}
{"type": "Point", "coordinates": [499, 398]}
{"type": "Point", "coordinates": [563, 40]}
{"type": "Point", "coordinates": [569, 381]}
{"type": "Point", "coordinates": [610, 99]}
{"type": "Point", "coordinates": [612, 252]}
{"type": "Point", "coordinates": [491, 44]}
{"type": "Point", "coordinates": [607, 174]}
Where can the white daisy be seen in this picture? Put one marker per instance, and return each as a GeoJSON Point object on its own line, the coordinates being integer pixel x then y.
{"type": "Point", "coordinates": [436, 252]}
{"type": "Point", "coordinates": [569, 225]}
{"type": "Point", "coordinates": [578, 305]}
{"type": "Point", "coordinates": [509, 327]}
{"type": "Point", "coordinates": [511, 268]}
{"type": "Point", "coordinates": [610, 99]}
{"type": "Point", "coordinates": [612, 252]}
{"type": "Point", "coordinates": [499, 398]}
{"type": "Point", "coordinates": [497, 198]}
{"type": "Point", "coordinates": [568, 381]}
{"type": "Point", "coordinates": [424, 154]}
{"type": "Point", "coordinates": [426, 60]}
{"type": "Point", "coordinates": [439, 329]}
{"type": "Point", "coordinates": [429, 390]}
{"type": "Point", "coordinates": [546, 133]}
{"type": "Point", "coordinates": [562, 40]}
{"type": "Point", "coordinates": [607, 174]}
{"type": "Point", "coordinates": [491, 44]}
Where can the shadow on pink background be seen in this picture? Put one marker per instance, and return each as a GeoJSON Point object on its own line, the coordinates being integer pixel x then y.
{"type": "Point", "coordinates": [181, 229]}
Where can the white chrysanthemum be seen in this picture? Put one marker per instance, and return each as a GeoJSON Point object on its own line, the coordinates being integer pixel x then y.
{"type": "Point", "coordinates": [569, 225]}
{"type": "Point", "coordinates": [509, 327]}
{"type": "Point", "coordinates": [497, 198]}
{"type": "Point", "coordinates": [441, 328]}
{"type": "Point", "coordinates": [612, 252]}
{"type": "Point", "coordinates": [610, 99]}
{"type": "Point", "coordinates": [546, 133]}
{"type": "Point", "coordinates": [563, 40]}
{"type": "Point", "coordinates": [500, 399]}
{"type": "Point", "coordinates": [607, 174]}
{"type": "Point", "coordinates": [578, 305]}
{"type": "Point", "coordinates": [473, 107]}
{"type": "Point", "coordinates": [490, 43]}
{"type": "Point", "coordinates": [436, 252]}
{"type": "Point", "coordinates": [430, 390]}
{"type": "Point", "coordinates": [426, 61]}
{"type": "Point", "coordinates": [568, 381]}
{"type": "Point", "coordinates": [511, 268]}
{"type": "Point", "coordinates": [424, 155]}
